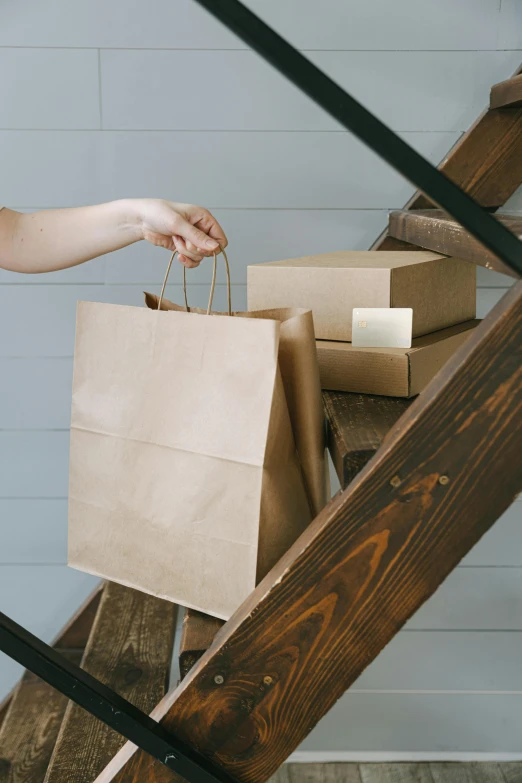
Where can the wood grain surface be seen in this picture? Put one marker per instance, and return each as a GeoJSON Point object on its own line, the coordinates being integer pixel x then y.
{"type": "Point", "coordinates": [72, 637]}
{"type": "Point", "coordinates": [486, 162]}
{"type": "Point", "coordinates": [357, 425]}
{"type": "Point", "coordinates": [508, 93]}
{"type": "Point", "coordinates": [197, 635]}
{"type": "Point", "coordinates": [435, 230]}
{"type": "Point", "coordinates": [130, 650]}
{"type": "Point", "coordinates": [361, 569]}
{"type": "Point", "coordinates": [29, 733]}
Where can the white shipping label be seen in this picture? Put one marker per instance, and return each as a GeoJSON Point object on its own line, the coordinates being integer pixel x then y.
{"type": "Point", "coordinates": [382, 327]}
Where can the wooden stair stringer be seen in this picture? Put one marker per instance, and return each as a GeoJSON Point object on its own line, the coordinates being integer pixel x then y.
{"type": "Point", "coordinates": [360, 571]}
{"type": "Point", "coordinates": [486, 162]}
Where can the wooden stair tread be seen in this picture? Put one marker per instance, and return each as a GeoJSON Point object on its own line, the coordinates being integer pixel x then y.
{"type": "Point", "coordinates": [486, 162]}
{"type": "Point", "coordinates": [29, 734]}
{"type": "Point", "coordinates": [197, 635]}
{"type": "Point", "coordinates": [31, 716]}
{"type": "Point", "coordinates": [434, 230]}
{"type": "Point", "coordinates": [357, 425]}
{"type": "Point", "coordinates": [130, 650]}
{"type": "Point", "coordinates": [73, 636]}
{"type": "Point", "coordinates": [507, 94]}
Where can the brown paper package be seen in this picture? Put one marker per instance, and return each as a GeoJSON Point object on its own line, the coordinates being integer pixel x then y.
{"type": "Point", "coordinates": [441, 291]}
{"type": "Point", "coordinates": [391, 372]}
{"type": "Point", "coordinates": [197, 448]}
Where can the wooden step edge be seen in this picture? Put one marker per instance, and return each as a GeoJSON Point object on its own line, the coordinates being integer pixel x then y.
{"type": "Point", "coordinates": [130, 650]}
{"type": "Point", "coordinates": [29, 732]}
{"type": "Point", "coordinates": [197, 634]}
{"type": "Point", "coordinates": [507, 94]}
{"type": "Point", "coordinates": [357, 425]}
{"type": "Point", "coordinates": [433, 229]}
{"type": "Point", "coordinates": [73, 637]}
{"type": "Point", "coordinates": [31, 716]}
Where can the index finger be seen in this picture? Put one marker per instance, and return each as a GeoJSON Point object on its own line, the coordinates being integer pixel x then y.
{"type": "Point", "coordinates": [212, 228]}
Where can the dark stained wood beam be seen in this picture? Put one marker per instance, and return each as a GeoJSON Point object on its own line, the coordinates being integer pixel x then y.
{"type": "Point", "coordinates": [486, 162]}
{"type": "Point", "coordinates": [380, 549]}
{"type": "Point", "coordinates": [357, 425]}
{"type": "Point", "coordinates": [130, 650]}
{"type": "Point", "coordinates": [197, 635]}
{"type": "Point", "coordinates": [434, 230]}
{"type": "Point", "coordinates": [507, 94]}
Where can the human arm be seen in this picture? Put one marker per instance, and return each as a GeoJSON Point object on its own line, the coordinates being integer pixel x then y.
{"type": "Point", "coordinates": [55, 239]}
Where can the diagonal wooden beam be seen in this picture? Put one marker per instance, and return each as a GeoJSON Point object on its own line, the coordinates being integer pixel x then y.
{"type": "Point", "coordinates": [486, 162]}
{"type": "Point", "coordinates": [448, 470]}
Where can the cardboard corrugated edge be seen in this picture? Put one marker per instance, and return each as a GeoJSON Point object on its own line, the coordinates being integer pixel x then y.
{"type": "Point", "coordinates": [390, 372]}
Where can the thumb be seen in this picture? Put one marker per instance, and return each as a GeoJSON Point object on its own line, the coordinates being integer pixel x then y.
{"type": "Point", "coordinates": [192, 234]}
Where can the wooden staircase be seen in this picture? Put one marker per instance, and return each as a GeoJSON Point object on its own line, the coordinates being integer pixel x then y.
{"type": "Point", "coordinates": [421, 481]}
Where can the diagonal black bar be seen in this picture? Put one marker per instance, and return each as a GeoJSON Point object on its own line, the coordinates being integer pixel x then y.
{"type": "Point", "coordinates": [105, 704]}
{"type": "Point", "coordinates": [325, 92]}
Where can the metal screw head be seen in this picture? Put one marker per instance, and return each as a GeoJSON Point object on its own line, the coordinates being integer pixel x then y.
{"type": "Point", "coordinates": [219, 679]}
{"type": "Point", "coordinates": [443, 480]}
{"type": "Point", "coordinates": [267, 680]}
{"type": "Point", "coordinates": [395, 481]}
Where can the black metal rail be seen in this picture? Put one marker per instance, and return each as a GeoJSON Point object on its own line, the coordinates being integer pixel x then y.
{"type": "Point", "coordinates": [105, 704]}
{"type": "Point", "coordinates": [374, 133]}
{"type": "Point", "coordinates": [46, 662]}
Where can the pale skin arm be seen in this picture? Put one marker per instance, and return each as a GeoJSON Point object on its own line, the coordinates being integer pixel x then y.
{"type": "Point", "coordinates": [59, 238]}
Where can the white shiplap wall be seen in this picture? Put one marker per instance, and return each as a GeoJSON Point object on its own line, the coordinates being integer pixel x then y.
{"type": "Point", "coordinates": [101, 100]}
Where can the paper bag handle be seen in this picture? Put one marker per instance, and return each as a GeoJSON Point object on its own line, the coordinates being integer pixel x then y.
{"type": "Point", "coordinates": [212, 287]}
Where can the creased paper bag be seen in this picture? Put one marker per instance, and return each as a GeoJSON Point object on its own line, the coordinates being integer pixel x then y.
{"type": "Point", "coordinates": [197, 448]}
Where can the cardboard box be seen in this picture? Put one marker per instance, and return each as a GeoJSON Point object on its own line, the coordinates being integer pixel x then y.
{"type": "Point", "coordinates": [392, 372]}
{"type": "Point", "coordinates": [440, 290]}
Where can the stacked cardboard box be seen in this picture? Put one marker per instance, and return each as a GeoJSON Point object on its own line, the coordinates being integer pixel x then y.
{"type": "Point", "coordinates": [440, 290]}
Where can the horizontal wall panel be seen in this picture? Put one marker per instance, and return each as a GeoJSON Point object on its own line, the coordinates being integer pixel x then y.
{"type": "Point", "coordinates": [49, 88]}
{"type": "Point", "coordinates": [487, 278]}
{"type": "Point", "coordinates": [487, 298]}
{"type": "Point", "coordinates": [300, 170]}
{"type": "Point", "coordinates": [33, 531]}
{"type": "Point", "coordinates": [34, 464]}
{"type": "Point", "coordinates": [43, 599]}
{"type": "Point", "coordinates": [474, 599]}
{"type": "Point", "coordinates": [514, 204]}
{"type": "Point", "coordinates": [331, 24]}
{"type": "Point", "coordinates": [340, 24]}
{"type": "Point", "coordinates": [217, 169]}
{"type": "Point", "coordinates": [440, 661]}
{"type": "Point", "coordinates": [436, 723]}
{"type": "Point", "coordinates": [35, 393]}
{"type": "Point", "coordinates": [502, 544]}
{"type": "Point", "coordinates": [50, 168]}
{"type": "Point", "coordinates": [510, 25]}
{"type": "Point", "coordinates": [256, 236]}
{"type": "Point", "coordinates": [135, 83]}
{"type": "Point", "coordinates": [50, 332]}
{"type": "Point", "coordinates": [44, 316]}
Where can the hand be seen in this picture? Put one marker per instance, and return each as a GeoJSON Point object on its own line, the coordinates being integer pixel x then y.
{"type": "Point", "coordinates": [189, 229]}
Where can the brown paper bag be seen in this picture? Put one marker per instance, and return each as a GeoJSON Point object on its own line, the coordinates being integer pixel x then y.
{"type": "Point", "coordinates": [197, 447]}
